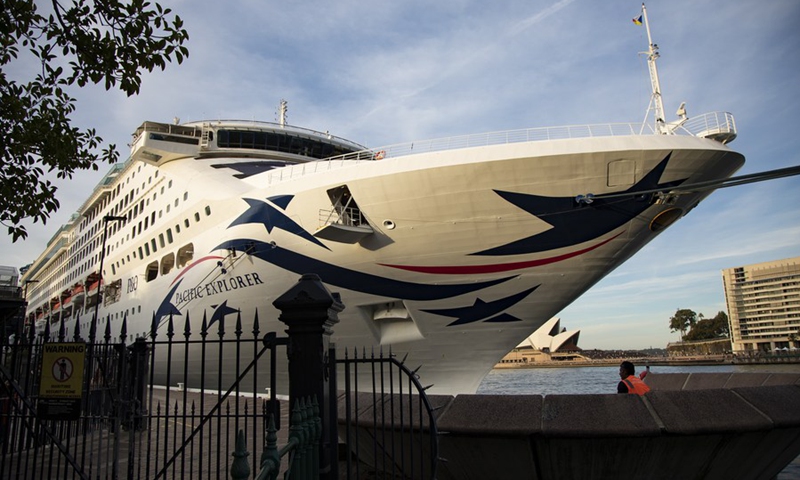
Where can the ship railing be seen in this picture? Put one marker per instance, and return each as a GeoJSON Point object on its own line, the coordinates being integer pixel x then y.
{"type": "Point", "coordinates": [715, 125]}
{"type": "Point", "coordinates": [350, 217]}
{"type": "Point", "coordinates": [705, 125]}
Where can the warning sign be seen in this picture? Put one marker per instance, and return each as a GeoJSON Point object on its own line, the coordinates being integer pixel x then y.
{"type": "Point", "coordinates": [61, 384]}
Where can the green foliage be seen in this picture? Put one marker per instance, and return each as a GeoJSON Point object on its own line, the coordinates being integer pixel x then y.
{"type": "Point", "coordinates": [104, 42]}
{"type": "Point", "coordinates": [682, 319]}
{"type": "Point", "coordinates": [710, 328]}
{"type": "Point", "coordinates": [700, 328]}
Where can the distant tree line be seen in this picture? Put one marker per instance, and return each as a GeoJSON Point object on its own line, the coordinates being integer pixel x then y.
{"type": "Point", "coordinates": [699, 327]}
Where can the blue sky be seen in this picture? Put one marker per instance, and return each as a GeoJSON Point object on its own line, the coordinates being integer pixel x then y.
{"type": "Point", "coordinates": [384, 72]}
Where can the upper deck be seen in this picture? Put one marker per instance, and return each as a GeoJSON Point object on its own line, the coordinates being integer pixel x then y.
{"type": "Point", "coordinates": [158, 143]}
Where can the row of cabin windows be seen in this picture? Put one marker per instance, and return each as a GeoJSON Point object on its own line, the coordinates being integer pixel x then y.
{"type": "Point", "coordinates": [87, 240]}
{"type": "Point", "coordinates": [87, 243]}
{"type": "Point", "coordinates": [168, 262]}
{"type": "Point", "coordinates": [162, 241]}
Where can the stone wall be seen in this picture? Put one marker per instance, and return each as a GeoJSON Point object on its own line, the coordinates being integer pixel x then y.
{"type": "Point", "coordinates": [704, 426]}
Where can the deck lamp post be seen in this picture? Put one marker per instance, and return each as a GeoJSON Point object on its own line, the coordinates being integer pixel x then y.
{"type": "Point", "coordinates": [25, 298]}
{"type": "Point", "coordinates": [106, 219]}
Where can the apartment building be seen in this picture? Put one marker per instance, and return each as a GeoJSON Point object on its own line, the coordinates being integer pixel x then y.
{"type": "Point", "coordinates": [764, 305]}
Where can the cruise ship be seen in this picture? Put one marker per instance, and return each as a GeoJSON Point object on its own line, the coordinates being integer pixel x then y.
{"type": "Point", "coordinates": [450, 250]}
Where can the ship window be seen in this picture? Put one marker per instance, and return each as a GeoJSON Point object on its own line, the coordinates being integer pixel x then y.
{"type": "Point", "coordinates": [208, 211]}
{"type": "Point", "coordinates": [196, 217]}
{"type": "Point", "coordinates": [185, 254]}
{"type": "Point", "coordinates": [185, 196]}
{"type": "Point", "coordinates": [153, 217]}
{"type": "Point", "coordinates": [140, 253]}
{"type": "Point", "coordinates": [161, 240]}
{"type": "Point", "coordinates": [167, 262]}
{"type": "Point", "coordinates": [113, 270]}
{"type": "Point", "coordinates": [147, 249]}
{"type": "Point", "coordinates": [169, 235]}
{"type": "Point", "coordinates": [153, 244]}
{"type": "Point", "coordinates": [146, 222]}
{"type": "Point", "coordinates": [177, 228]}
{"type": "Point", "coordinates": [152, 271]}
{"type": "Point", "coordinates": [186, 222]}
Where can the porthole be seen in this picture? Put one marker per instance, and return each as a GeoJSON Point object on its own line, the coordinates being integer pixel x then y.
{"type": "Point", "coordinates": [388, 224]}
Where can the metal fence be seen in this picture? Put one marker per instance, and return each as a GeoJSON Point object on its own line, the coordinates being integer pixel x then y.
{"type": "Point", "coordinates": [193, 404]}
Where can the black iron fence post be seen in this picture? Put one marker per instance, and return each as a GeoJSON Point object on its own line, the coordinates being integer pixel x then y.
{"type": "Point", "coordinates": [310, 311]}
{"type": "Point", "coordinates": [137, 383]}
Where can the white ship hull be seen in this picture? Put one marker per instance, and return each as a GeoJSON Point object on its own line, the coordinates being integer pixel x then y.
{"type": "Point", "coordinates": [453, 256]}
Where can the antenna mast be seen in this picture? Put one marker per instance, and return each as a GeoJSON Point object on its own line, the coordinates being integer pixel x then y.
{"type": "Point", "coordinates": [284, 107]}
{"type": "Point", "coordinates": [655, 100]}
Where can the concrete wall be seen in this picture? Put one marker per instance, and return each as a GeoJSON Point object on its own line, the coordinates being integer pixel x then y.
{"type": "Point", "coordinates": [704, 381]}
{"type": "Point", "coordinates": [742, 427]}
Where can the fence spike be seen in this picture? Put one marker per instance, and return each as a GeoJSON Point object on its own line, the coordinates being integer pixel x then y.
{"type": "Point", "coordinates": [154, 327]}
{"type": "Point", "coordinates": [107, 334]}
{"type": "Point", "coordinates": [123, 330]}
{"type": "Point", "coordinates": [61, 329]}
{"type": "Point", "coordinates": [270, 459]}
{"type": "Point", "coordinates": [403, 361]}
{"type": "Point", "coordinates": [170, 327]}
{"type": "Point", "coordinates": [76, 333]}
{"type": "Point", "coordinates": [256, 330]}
{"type": "Point", "coordinates": [240, 468]}
{"type": "Point", "coordinates": [429, 386]}
{"type": "Point", "coordinates": [238, 330]}
{"type": "Point", "coordinates": [204, 326]}
{"type": "Point", "coordinates": [221, 326]}
{"type": "Point", "coordinates": [187, 327]}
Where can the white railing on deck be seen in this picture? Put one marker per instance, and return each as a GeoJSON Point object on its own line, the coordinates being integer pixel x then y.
{"type": "Point", "coordinates": [695, 126]}
{"type": "Point", "coordinates": [710, 123]}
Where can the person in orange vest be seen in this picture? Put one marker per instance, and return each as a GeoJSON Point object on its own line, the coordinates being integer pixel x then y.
{"type": "Point", "coordinates": [629, 382]}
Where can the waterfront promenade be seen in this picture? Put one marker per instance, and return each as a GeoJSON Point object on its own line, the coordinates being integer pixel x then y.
{"type": "Point", "coordinates": [688, 360]}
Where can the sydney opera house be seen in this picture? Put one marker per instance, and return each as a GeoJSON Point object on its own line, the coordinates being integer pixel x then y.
{"type": "Point", "coordinates": [550, 343]}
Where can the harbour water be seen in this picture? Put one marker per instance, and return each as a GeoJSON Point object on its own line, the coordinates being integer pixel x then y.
{"type": "Point", "coordinates": [588, 380]}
